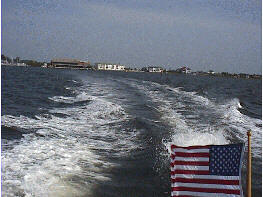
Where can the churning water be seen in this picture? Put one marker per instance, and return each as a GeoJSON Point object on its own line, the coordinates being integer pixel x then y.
{"type": "Point", "coordinates": [87, 133]}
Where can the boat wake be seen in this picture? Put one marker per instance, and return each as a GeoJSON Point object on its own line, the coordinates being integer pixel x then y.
{"type": "Point", "coordinates": [64, 152]}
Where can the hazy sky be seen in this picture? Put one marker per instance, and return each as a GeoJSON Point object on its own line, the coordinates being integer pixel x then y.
{"type": "Point", "coordinates": [222, 35]}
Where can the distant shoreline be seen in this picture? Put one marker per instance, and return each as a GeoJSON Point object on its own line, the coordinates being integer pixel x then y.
{"type": "Point", "coordinates": [223, 74]}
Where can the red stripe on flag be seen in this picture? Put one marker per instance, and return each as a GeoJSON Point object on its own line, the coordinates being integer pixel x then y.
{"type": "Point", "coordinates": [190, 163]}
{"type": "Point", "coordinates": [198, 172]}
{"type": "Point", "coordinates": [207, 190]}
{"type": "Point", "coordinates": [206, 181]}
{"type": "Point", "coordinates": [180, 154]}
{"type": "Point", "coordinates": [190, 147]}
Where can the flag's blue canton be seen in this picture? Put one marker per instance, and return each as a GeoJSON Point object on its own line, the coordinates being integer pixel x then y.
{"type": "Point", "coordinates": [225, 159]}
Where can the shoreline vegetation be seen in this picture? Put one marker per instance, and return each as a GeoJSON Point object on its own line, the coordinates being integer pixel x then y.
{"type": "Point", "coordinates": [5, 60]}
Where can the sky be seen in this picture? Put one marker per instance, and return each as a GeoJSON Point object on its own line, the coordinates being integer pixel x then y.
{"type": "Point", "coordinates": [219, 35]}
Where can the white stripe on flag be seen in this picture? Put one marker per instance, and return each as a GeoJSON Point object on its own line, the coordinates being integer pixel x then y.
{"type": "Point", "coordinates": [183, 150]}
{"type": "Point", "coordinates": [198, 185]}
{"type": "Point", "coordinates": [193, 176]}
{"type": "Point", "coordinates": [190, 159]}
{"type": "Point", "coordinates": [201, 194]}
{"type": "Point", "coordinates": [185, 167]}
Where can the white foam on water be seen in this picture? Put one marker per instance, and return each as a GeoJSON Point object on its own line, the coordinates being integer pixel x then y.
{"type": "Point", "coordinates": [188, 130]}
{"type": "Point", "coordinates": [233, 123]}
{"type": "Point", "coordinates": [44, 162]}
{"type": "Point", "coordinates": [196, 138]}
{"type": "Point", "coordinates": [41, 165]}
{"type": "Point", "coordinates": [192, 95]}
{"type": "Point", "coordinates": [241, 123]}
{"type": "Point", "coordinates": [80, 97]}
{"type": "Point", "coordinates": [185, 134]}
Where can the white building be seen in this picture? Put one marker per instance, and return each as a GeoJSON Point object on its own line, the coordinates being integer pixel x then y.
{"type": "Point", "coordinates": [107, 66]}
{"type": "Point", "coordinates": [155, 69]}
{"type": "Point", "coordinates": [184, 70]}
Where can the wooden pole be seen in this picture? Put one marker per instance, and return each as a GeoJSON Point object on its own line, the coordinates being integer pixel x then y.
{"type": "Point", "coordinates": [249, 165]}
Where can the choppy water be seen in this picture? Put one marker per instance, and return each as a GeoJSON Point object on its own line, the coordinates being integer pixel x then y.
{"type": "Point", "coordinates": [86, 133]}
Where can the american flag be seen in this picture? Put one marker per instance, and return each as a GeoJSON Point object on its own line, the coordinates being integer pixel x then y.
{"type": "Point", "coordinates": [207, 171]}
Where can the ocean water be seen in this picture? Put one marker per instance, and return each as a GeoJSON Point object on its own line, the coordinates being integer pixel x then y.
{"type": "Point", "coordinates": [91, 133]}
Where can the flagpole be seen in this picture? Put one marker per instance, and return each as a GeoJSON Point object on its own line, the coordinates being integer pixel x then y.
{"type": "Point", "coordinates": [249, 165]}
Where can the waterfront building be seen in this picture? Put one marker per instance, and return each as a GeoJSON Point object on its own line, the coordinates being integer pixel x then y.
{"type": "Point", "coordinates": [4, 62]}
{"type": "Point", "coordinates": [109, 66]}
{"type": "Point", "coordinates": [184, 70]}
{"type": "Point", "coordinates": [152, 69]}
{"type": "Point", "coordinates": [244, 75]}
{"type": "Point", "coordinates": [20, 64]}
{"type": "Point", "coordinates": [155, 69]}
{"type": "Point", "coordinates": [68, 63]}
{"type": "Point", "coordinates": [211, 72]}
